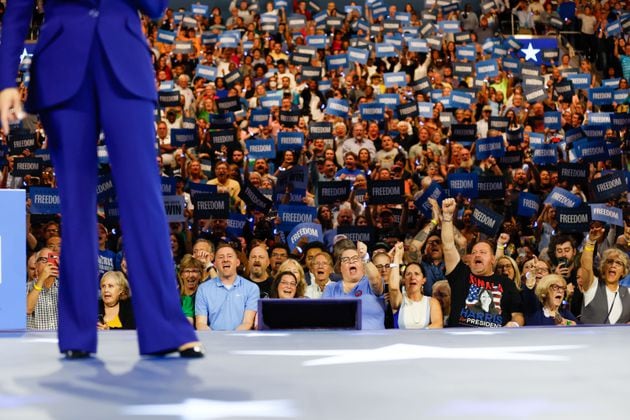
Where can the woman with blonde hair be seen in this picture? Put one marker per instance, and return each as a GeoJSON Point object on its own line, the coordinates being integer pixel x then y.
{"type": "Point", "coordinates": [509, 268]}
{"type": "Point", "coordinates": [544, 304]}
{"type": "Point", "coordinates": [114, 306]}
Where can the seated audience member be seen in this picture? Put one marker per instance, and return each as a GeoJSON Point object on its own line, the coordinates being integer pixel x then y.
{"type": "Point", "coordinates": [114, 306]}
{"type": "Point", "coordinates": [545, 305]}
{"type": "Point", "coordinates": [226, 302]}
{"type": "Point", "coordinates": [190, 275]}
{"type": "Point", "coordinates": [412, 310]}
{"type": "Point", "coordinates": [287, 286]}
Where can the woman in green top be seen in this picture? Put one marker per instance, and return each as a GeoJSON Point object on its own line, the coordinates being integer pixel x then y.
{"type": "Point", "coordinates": [190, 273]}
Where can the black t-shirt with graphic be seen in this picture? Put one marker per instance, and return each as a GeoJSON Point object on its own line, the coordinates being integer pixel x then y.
{"type": "Point", "coordinates": [481, 301]}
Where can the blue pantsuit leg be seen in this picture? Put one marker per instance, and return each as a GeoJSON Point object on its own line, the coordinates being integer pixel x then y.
{"type": "Point", "coordinates": [127, 121]}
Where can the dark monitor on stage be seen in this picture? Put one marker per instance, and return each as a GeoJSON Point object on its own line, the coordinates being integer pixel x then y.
{"type": "Point", "coordinates": [300, 314]}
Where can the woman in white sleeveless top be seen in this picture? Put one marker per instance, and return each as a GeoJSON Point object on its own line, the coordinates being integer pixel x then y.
{"type": "Point", "coordinates": [412, 310]}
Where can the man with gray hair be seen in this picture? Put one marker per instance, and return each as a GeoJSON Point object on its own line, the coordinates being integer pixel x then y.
{"type": "Point", "coordinates": [43, 292]}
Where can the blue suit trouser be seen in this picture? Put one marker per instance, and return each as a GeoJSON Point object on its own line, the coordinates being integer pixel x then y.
{"type": "Point", "coordinates": [102, 104]}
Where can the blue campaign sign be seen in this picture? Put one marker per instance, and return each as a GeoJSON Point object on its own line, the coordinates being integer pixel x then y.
{"type": "Point", "coordinates": [293, 215]}
{"type": "Point", "coordinates": [465, 184]}
{"type": "Point", "coordinates": [487, 220]}
{"type": "Point", "coordinates": [205, 189]}
{"type": "Point", "coordinates": [183, 137]}
{"type": "Point", "coordinates": [317, 41]}
{"type": "Point", "coordinates": [512, 64]}
{"type": "Point", "coordinates": [199, 9]}
{"type": "Point", "coordinates": [385, 49]}
{"type": "Point", "coordinates": [580, 80]}
{"type": "Point", "coordinates": [599, 118]}
{"type": "Point", "coordinates": [390, 100]}
{"type": "Point", "coordinates": [449, 26]}
{"type": "Point", "coordinates": [290, 140]}
{"type": "Point", "coordinates": [608, 187]}
{"type": "Point", "coordinates": [620, 121]}
{"type": "Point", "coordinates": [12, 260]}
{"type": "Point", "coordinates": [417, 45]}
{"type": "Point", "coordinates": [269, 101]}
{"type": "Point", "coordinates": [425, 109]}
{"type": "Point", "coordinates": [206, 72]}
{"type": "Point", "coordinates": [259, 117]}
{"type": "Point", "coordinates": [552, 120]}
{"type": "Point", "coordinates": [168, 185]}
{"type": "Point", "coordinates": [372, 111]}
{"type": "Point", "coordinates": [166, 37]}
{"type": "Point", "coordinates": [396, 40]}
{"type": "Point", "coordinates": [105, 188]}
{"type": "Point", "coordinates": [489, 146]}
{"type": "Point", "coordinates": [536, 140]}
{"type": "Point", "coordinates": [337, 107]}
{"type": "Point", "coordinates": [461, 99]}
{"type": "Point", "coordinates": [546, 154]}
{"type": "Point", "coordinates": [594, 131]}
{"type": "Point", "coordinates": [591, 150]}
{"type": "Point", "coordinates": [312, 231]}
{"type": "Point", "coordinates": [434, 191]}
{"type": "Point", "coordinates": [528, 204]}
{"type": "Point", "coordinates": [491, 187]}
{"type": "Point", "coordinates": [44, 200]}
{"type": "Point", "coordinates": [336, 61]}
{"type": "Point", "coordinates": [607, 214]}
{"type": "Point", "coordinates": [358, 55]}
{"type": "Point", "coordinates": [611, 83]}
{"type": "Point", "coordinates": [559, 197]}
{"type": "Point", "coordinates": [601, 95]}
{"type": "Point", "coordinates": [261, 149]}
{"type": "Point", "coordinates": [621, 95]}
{"type": "Point", "coordinates": [466, 52]}
{"type": "Point", "coordinates": [573, 135]}
{"type": "Point", "coordinates": [487, 68]}
{"type": "Point", "coordinates": [395, 79]}
{"type": "Point", "coordinates": [235, 224]}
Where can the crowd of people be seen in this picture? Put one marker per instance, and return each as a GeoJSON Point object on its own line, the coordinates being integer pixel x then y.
{"type": "Point", "coordinates": [423, 161]}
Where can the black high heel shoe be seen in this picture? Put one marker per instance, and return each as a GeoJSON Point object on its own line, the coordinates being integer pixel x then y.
{"type": "Point", "coordinates": [194, 352]}
{"type": "Point", "coordinates": [76, 354]}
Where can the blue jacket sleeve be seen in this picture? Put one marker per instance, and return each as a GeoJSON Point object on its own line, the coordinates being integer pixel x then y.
{"type": "Point", "coordinates": [15, 23]}
{"type": "Point", "coordinates": [152, 8]}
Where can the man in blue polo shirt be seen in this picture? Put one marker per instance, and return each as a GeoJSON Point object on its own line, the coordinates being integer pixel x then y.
{"type": "Point", "coordinates": [227, 302]}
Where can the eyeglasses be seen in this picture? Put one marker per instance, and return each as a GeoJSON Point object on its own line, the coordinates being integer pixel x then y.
{"type": "Point", "coordinates": [288, 283]}
{"type": "Point", "coordinates": [191, 271]}
{"type": "Point", "coordinates": [381, 266]}
{"type": "Point", "coordinates": [541, 271]}
{"type": "Point", "coordinates": [41, 260]}
{"type": "Point", "coordinates": [556, 288]}
{"type": "Point", "coordinates": [505, 267]}
{"type": "Point", "coordinates": [349, 260]}
{"type": "Point", "coordinates": [618, 263]}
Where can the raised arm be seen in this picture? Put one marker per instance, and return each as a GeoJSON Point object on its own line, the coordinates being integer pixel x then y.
{"type": "Point", "coordinates": [451, 256]}
{"type": "Point", "coordinates": [374, 277]}
{"type": "Point", "coordinates": [586, 260]}
{"type": "Point", "coordinates": [395, 295]}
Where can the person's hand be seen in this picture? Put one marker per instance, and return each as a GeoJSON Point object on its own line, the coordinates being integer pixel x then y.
{"type": "Point", "coordinates": [49, 270]}
{"type": "Point", "coordinates": [504, 239]}
{"type": "Point", "coordinates": [563, 270]}
{"type": "Point", "coordinates": [448, 208]}
{"type": "Point", "coordinates": [201, 255]}
{"type": "Point", "coordinates": [101, 326]}
{"type": "Point", "coordinates": [570, 290]}
{"type": "Point", "coordinates": [596, 233]}
{"type": "Point", "coordinates": [399, 252]}
{"type": "Point", "coordinates": [10, 108]}
{"type": "Point", "coordinates": [361, 249]}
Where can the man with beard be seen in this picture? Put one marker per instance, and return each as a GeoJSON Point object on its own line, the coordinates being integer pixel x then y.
{"type": "Point", "coordinates": [470, 283]}
{"type": "Point", "coordinates": [432, 263]}
{"type": "Point", "coordinates": [227, 302]}
{"type": "Point", "coordinates": [467, 164]}
{"type": "Point", "coordinates": [279, 254]}
{"type": "Point", "coordinates": [257, 266]}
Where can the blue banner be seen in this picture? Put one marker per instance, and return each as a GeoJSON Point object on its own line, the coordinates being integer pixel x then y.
{"type": "Point", "coordinates": [293, 215]}
{"type": "Point", "coordinates": [166, 37]}
{"type": "Point", "coordinates": [580, 80]}
{"type": "Point", "coordinates": [386, 192]}
{"type": "Point", "coordinates": [196, 189]}
{"type": "Point", "coordinates": [261, 149]}
{"type": "Point", "coordinates": [601, 119]}
{"type": "Point", "coordinates": [575, 219]}
{"type": "Point", "coordinates": [211, 205]}
{"type": "Point", "coordinates": [183, 137]}
{"type": "Point", "coordinates": [591, 150]}
{"type": "Point", "coordinates": [269, 101]}
{"type": "Point", "coordinates": [607, 214]}
{"type": "Point", "coordinates": [434, 191]}
{"type": "Point", "coordinates": [465, 184]}
{"type": "Point", "coordinates": [259, 117]}
{"type": "Point", "coordinates": [336, 61]}
{"type": "Point", "coordinates": [553, 120]}
{"type": "Point", "coordinates": [559, 197]}
{"type": "Point", "coordinates": [528, 204]}
{"type": "Point", "coordinates": [601, 95]}
{"type": "Point", "coordinates": [235, 224]}
{"type": "Point", "coordinates": [608, 187]}
{"type": "Point", "coordinates": [312, 231]}
{"type": "Point", "coordinates": [488, 68]}
{"type": "Point", "coordinates": [546, 154]}
{"type": "Point", "coordinates": [317, 41]}
{"type": "Point", "coordinates": [337, 107]}
{"type": "Point", "coordinates": [372, 111]}
{"type": "Point", "coordinates": [206, 72]}
{"type": "Point", "coordinates": [384, 49]}
{"type": "Point", "coordinates": [449, 26]}
{"type": "Point", "coordinates": [105, 188]}
{"type": "Point", "coordinates": [390, 100]}
{"type": "Point", "coordinates": [487, 220]}
{"type": "Point", "coordinates": [417, 45]}
{"type": "Point", "coordinates": [466, 52]}
{"type": "Point", "coordinates": [358, 55]}
{"type": "Point", "coordinates": [395, 79]}
{"type": "Point", "coordinates": [491, 187]}
{"type": "Point", "coordinates": [425, 109]}
{"type": "Point", "coordinates": [489, 146]}
{"type": "Point", "coordinates": [44, 200]}
{"type": "Point", "coordinates": [290, 140]}
{"type": "Point", "coordinates": [168, 185]}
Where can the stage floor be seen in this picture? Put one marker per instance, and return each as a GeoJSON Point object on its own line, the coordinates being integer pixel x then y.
{"type": "Point", "coordinates": [538, 373]}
